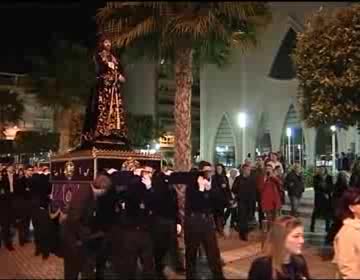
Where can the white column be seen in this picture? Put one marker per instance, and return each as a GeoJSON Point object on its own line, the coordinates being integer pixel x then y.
{"type": "Point", "coordinates": [243, 144]}
{"type": "Point", "coordinates": [289, 149]}
{"type": "Point", "coordinates": [333, 145]}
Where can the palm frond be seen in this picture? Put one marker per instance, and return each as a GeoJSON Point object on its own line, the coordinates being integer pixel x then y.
{"type": "Point", "coordinates": [195, 24]}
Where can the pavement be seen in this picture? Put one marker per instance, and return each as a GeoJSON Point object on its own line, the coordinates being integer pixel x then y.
{"type": "Point", "coordinates": [237, 256]}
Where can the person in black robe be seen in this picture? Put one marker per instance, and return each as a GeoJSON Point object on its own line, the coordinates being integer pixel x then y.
{"type": "Point", "coordinates": [81, 234]}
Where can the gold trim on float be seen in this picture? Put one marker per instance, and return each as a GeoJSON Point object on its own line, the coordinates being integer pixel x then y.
{"type": "Point", "coordinates": [95, 153]}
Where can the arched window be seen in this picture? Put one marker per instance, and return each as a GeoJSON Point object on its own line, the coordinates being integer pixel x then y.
{"type": "Point", "coordinates": [224, 144]}
{"type": "Point", "coordinates": [282, 67]}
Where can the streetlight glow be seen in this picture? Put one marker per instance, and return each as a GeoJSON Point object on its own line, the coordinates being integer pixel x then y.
{"type": "Point", "coordinates": [333, 128]}
{"type": "Point", "coordinates": [288, 132]}
{"type": "Point", "coordinates": [242, 120]}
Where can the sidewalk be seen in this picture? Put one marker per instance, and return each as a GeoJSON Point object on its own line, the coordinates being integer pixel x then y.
{"type": "Point", "coordinates": [237, 255]}
{"type": "Point", "coordinates": [22, 264]}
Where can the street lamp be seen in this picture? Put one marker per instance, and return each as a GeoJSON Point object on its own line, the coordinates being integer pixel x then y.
{"type": "Point", "coordinates": [300, 154]}
{"type": "Point", "coordinates": [242, 120]}
{"type": "Point", "coordinates": [288, 134]}
{"type": "Point", "coordinates": [333, 145]}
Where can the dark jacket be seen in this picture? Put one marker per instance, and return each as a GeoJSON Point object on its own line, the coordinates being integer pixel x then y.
{"type": "Point", "coordinates": [133, 203]}
{"type": "Point", "coordinates": [22, 202]}
{"type": "Point", "coordinates": [164, 202]}
{"type": "Point", "coordinates": [197, 201]}
{"type": "Point", "coordinates": [294, 184]}
{"type": "Point", "coordinates": [79, 224]}
{"type": "Point", "coordinates": [244, 189]}
{"type": "Point", "coordinates": [261, 269]}
{"type": "Point", "coordinates": [40, 189]}
{"type": "Point", "coordinates": [323, 188]}
{"type": "Point", "coordinates": [221, 190]}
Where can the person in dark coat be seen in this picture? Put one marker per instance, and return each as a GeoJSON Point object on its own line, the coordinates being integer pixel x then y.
{"type": "Point", "coordinates": [244, 189]}
{"type": "Point", "coordinates": [81, 229]}
{"type": "Point", "coordinates": [165, 222]}
{"type": "Point", "coordinates": [341, 186]}
{"type": "Point", "coordinates": [130, 235]}
{"type": "Point", "coordinates": [282, 258]}
{"type": "Point", "coordinates": [6, 212]}
{"type": "Point", "coordinates": [199, 223]}
{"type": "Point", "coordinates": [323, 189]}
{"type": "Point", "coordinates": [294, 184]}
{"type": "Point", "coordinates": [40, 189]}
{"type": "Point", "coordinates": [22, 205]}
{"type": "Point", "coordinates": [222, 196]}
{"type": "Point", "coordinates": [355, 175]}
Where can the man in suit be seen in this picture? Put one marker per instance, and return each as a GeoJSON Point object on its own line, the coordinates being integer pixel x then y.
{"type": "Point", "coordinates": [81, 230]}
{"type": "Point", "coordinates": [130, 235]}
{"type": "Point", "coordinates": [199, 223]}
{"type": "Point", "coordinates": [165, 223]}
{"type": "Point", "coordinates": [40, 199]}
{"type": "Point", "coordinates": [7, 215]}
{"type": "Point", "coordinates": [22, 205]}
{"type": "Point", "coordinates": [244, 189]}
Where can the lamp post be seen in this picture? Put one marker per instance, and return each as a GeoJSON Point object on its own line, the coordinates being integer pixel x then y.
{"type": "Point", "coordinates": [242, 118]}
{"type": "Point", "coordinates": [333, 146]}
{"type": "Point", "coordinates": [288, 134]}
{"type": "Point", "coordinates": [300, 155]}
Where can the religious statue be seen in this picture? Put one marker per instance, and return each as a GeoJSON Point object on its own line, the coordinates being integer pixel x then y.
{"type": "Point", "coordinates": [105, 117]}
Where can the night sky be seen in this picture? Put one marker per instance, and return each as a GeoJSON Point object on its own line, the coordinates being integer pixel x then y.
{"type": "Point", "coordinates": [27, 27]}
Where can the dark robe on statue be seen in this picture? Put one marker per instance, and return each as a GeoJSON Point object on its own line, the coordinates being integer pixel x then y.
{"type": "Point", "coordinates": [105, 117]}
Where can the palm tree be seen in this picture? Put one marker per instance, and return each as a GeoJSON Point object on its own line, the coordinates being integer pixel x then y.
{"type": "Point", "coordinates": [11, 109]}
{"type": "Point", "coordinates": [64, 80]}
{"type": "Point", "coordinates": [181, 31]}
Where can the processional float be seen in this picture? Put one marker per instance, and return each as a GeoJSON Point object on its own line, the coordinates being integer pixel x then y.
{"type": "Point", "coordinates": [104, 143]}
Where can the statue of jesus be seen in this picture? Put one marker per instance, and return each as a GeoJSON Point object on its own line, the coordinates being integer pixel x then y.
{"type": "Point", "coordinates": [105, 117]}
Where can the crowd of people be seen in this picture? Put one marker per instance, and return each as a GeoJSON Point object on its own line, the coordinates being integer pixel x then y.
{"type": "Point", "coordinates": [24, 198]}
{"type": "Point", "coordinates": [130, 219]}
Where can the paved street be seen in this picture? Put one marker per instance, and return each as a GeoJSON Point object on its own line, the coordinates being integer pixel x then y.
{"type": "Point", "coordinates": [237, 255]}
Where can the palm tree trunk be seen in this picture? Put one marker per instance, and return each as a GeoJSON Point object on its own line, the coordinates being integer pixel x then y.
{"type": "Point", "coordinates": [183, 79]}
{"type": "Point", "coordinates": [64, 127]}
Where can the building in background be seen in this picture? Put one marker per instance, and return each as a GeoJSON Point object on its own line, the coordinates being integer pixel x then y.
{"type": "Point", "coordinates": [35, 116]}
{"type": "Point", "coordinates": [262, 84]}
{"type": "Point", "coordinates": [150, 90]}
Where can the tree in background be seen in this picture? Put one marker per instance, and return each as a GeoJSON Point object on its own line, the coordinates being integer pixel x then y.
{"type": "Point", "coordinates": [29, 142]}
{"type": "Point", "coordinates": [182, 32]}
{"type": "Point", "coordinates": [11, 109]}
{"type": "Point", "coordinates": [143, 129]}
{"type": "Point", "coordinates": [327, 63]}
{"type": "Point", "coordinates": [64, 78]}
{"type": "Point", "coordinates": [76, 126]}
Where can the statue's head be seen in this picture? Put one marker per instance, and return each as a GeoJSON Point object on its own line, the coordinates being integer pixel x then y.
{"type": "Point", "coordinates": [104, 43]}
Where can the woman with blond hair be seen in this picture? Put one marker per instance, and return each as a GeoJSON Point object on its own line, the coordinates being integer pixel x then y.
{"type": "Point", "coordinates": [347, 240]}
{"type": "Point", "coordinates": [282, 252]}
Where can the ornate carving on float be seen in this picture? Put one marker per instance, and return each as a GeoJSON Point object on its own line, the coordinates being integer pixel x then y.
{"type": "Point", "coordinates": [69, 169]}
